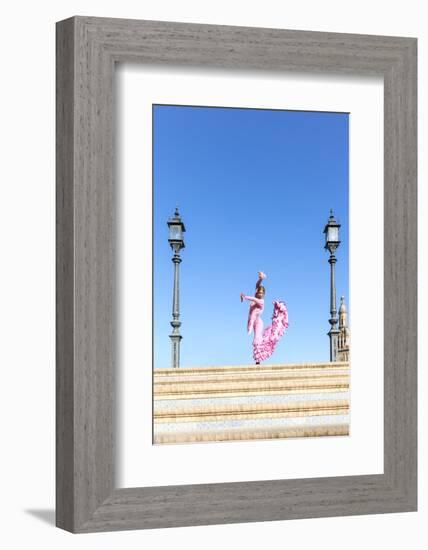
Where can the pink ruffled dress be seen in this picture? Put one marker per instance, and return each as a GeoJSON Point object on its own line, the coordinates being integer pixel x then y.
{"type": "Point", "coordinates": [265, 340]}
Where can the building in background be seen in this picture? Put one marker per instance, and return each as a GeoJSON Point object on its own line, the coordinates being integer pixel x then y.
{"type": "Point", "coordinates": [344, 333]}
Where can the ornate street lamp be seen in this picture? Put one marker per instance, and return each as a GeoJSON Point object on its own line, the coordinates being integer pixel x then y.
{"type": "Point", "coordinates": [332, 242]}
{"type": "Point", "coordinates": [176, 241]}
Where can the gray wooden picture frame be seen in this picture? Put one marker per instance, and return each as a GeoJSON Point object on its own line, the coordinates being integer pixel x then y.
{"type": "Point", "coordinates": [87, 51]}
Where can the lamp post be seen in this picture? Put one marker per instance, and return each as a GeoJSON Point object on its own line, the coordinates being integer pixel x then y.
{"type": "Point", "coordinates": [332, 242]}
{"type": "Point", "coordinates": [176, 241]}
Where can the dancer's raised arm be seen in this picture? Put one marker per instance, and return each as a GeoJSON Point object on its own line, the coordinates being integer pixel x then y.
{"type": "Point", "coordinates": [251, 299]}
{"type": "Point", "coordinates": [260, 279]}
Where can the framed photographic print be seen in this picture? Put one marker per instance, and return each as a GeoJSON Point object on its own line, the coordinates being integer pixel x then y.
{"type": "Point", "coordinates": [236, 274]}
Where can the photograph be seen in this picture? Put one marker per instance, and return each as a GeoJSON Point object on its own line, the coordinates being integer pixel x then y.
{"type": "Point", "coordinates": [251, 309]}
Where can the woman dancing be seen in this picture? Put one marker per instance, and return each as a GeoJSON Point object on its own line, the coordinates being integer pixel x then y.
{"type": "Point", "coordinates": [264, 341]}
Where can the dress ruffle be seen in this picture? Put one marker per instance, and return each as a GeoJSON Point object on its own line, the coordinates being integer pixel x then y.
{"type": "Point", "coordinates": [264, 347]}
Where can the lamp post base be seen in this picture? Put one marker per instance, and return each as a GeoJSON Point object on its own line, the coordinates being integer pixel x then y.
{"type": "Point", "coordinates": [334, 341]}
{"type": "Point", "coordinates": [175, 350]}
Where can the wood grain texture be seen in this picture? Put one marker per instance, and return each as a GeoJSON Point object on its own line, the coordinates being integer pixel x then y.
{"type": "Point", "coordinates": [87, 49]}
{"type": "Point", "coordinates": [64, 277]}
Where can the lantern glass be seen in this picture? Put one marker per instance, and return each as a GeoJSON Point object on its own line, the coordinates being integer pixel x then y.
{"type": "Point", "coordinates": [332, 234]}
{"type": "Point", "coordinates": [175, 232]}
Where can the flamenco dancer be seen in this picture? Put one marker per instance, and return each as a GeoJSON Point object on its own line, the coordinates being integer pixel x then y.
{"type": "Point", "coordinates": [265, 341]}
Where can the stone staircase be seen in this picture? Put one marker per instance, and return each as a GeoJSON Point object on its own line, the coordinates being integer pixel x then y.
{"type": "Point", "coordinates": [230, 403]}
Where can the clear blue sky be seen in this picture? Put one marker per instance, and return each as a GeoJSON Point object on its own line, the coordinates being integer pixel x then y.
{"type": "Point", "coordinates": [254, 188]}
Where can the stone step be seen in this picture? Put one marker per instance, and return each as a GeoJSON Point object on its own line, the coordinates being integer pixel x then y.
{"type": "Point", "coordinates": [251, 400]}
{"type": "Point", "coordinates": [250, 411]}
{"type": "Point", "coordinates": [248, 377]}
{"type": "Point", "coordinates": [249, 434]}
{"type": "Point", "coordinates": [224, 389]}
{"type": "Point", "coordinates": [195, 371]}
